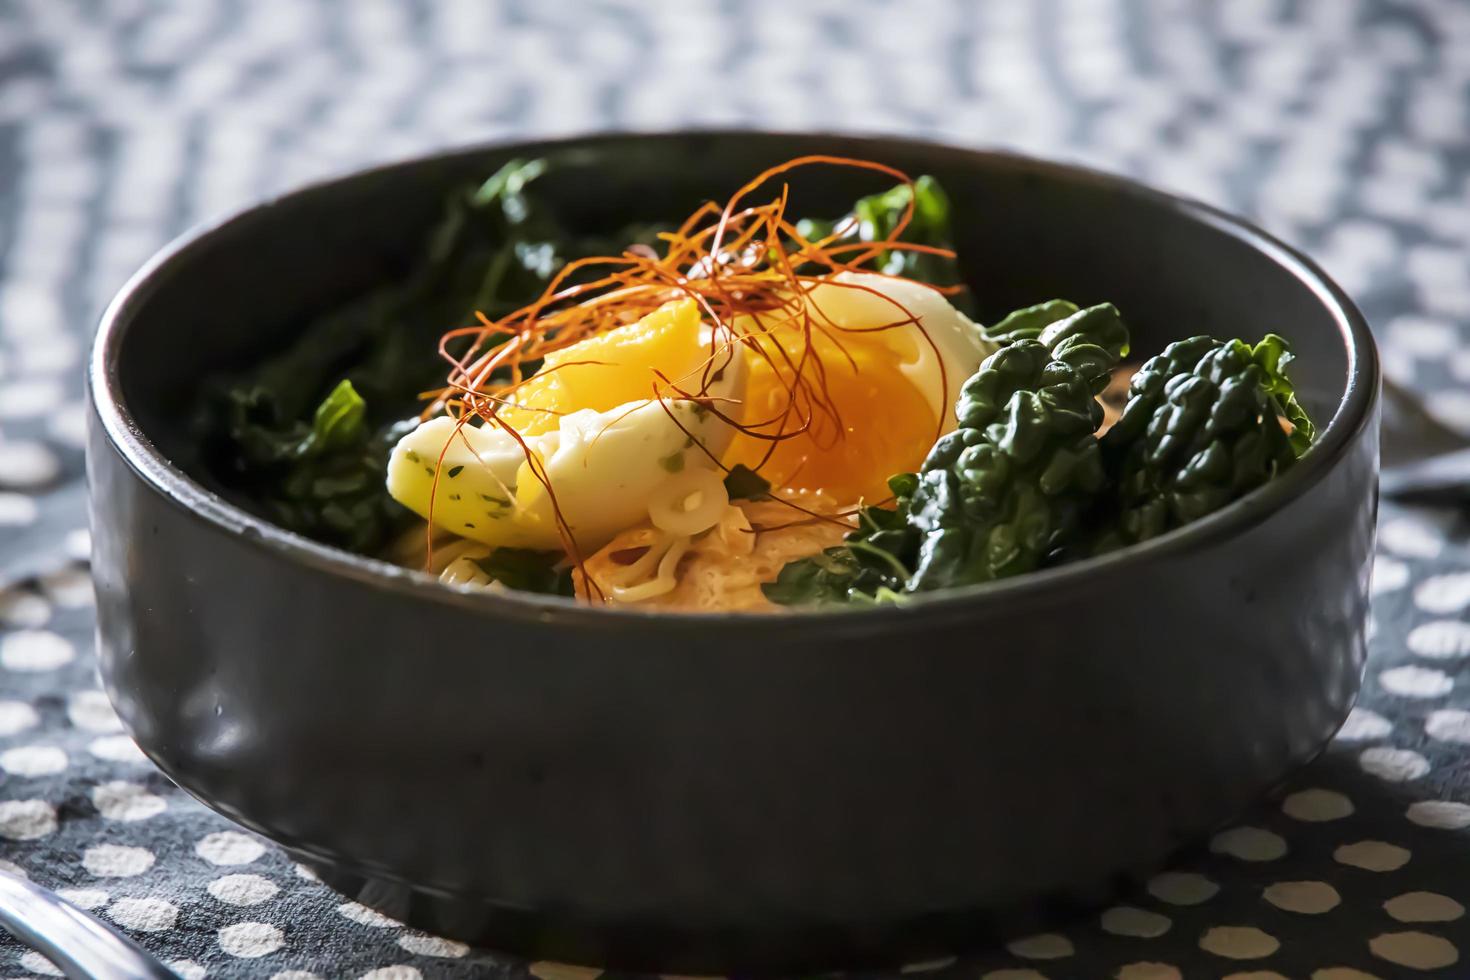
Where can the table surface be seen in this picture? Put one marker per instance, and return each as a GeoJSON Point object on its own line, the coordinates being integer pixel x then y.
{"type": "Point", "coordinates": [1342, 126]}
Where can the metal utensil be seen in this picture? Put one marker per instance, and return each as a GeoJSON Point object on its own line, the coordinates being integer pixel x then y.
{"type": "Point", "coordinates": [1424, 461]}
{"type": "Point", "coordinates": [82, 947]}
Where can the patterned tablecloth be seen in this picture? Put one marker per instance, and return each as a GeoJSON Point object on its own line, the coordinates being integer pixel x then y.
{"type": "Point", "coordinates": [1342, 125]}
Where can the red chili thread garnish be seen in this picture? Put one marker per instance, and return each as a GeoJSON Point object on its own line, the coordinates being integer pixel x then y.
{"type": "Point", "coordinates": [736, 261]}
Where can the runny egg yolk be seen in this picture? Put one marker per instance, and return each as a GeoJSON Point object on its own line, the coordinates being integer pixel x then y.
{"type": "Point", "coordinates": [866, 420]}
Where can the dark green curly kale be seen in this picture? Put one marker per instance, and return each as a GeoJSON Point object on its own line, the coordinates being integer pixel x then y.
{"type": "Point", "coordinates": [1011, 485]}
{"type": "Point", "coordinates": [1028, 322]}
{"type": "Point", "coordinates": [325, 473]}
{"type": "Point", "coordinates": [870, 566]}
{"type": "Point", "coordinates": [1201, 427]}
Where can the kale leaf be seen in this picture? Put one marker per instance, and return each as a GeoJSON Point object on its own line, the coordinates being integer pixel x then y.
{"type": "Point", "coordinates": [871, 565]}
{"type": "Point", "coordinates": [744, 483]}
{"type": "Point", "coordinates": [528, 571]}
{"type": "Point", "coordinates": [325, 475]}
{"type": "Point", "coordinates": [1202, 427]}
{"type": "Point", "coordinates": [1028, 322]}
{"type": "Point", "coordinates": [1012, 484]}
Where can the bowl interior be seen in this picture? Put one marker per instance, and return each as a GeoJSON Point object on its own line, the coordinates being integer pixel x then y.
{"type": "Point", "coordinates": [1025, 231]}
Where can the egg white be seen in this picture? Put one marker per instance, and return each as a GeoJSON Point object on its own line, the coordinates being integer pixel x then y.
{"type": "Point", "coordinates": [603, 469]}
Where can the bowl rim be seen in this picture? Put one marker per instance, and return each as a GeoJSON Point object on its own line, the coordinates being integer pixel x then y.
{"type": "Point", "coordinates": [126, 437]}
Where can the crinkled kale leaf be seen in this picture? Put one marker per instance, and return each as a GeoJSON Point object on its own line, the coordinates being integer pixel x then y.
{"type": "Point", "coordinates": [1201, 428]}
{"type": "Point", "coordinates": [528, 571]}
{"type": "Point", "coordinates": [1013, 483]}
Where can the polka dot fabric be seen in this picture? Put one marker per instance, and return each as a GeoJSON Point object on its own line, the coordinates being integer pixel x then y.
{"type": "Point", "coordinates": [1343, 126]}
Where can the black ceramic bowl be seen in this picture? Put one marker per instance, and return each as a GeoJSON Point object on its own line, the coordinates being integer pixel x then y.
{"type": "Point", "coordinates": [706, 792]}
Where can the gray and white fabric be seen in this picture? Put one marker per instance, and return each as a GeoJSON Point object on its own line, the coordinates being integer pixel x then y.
{"type": "Point", "coordinates": [1341, 125]}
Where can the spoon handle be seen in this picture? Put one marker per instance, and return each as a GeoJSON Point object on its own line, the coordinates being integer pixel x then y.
{"type": "Point", "coordinates": [82, 947]}
{"type": "Point", "coordinates": [1438, 479]}
{"type": "Point", "coordinates": [1410, 432]}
